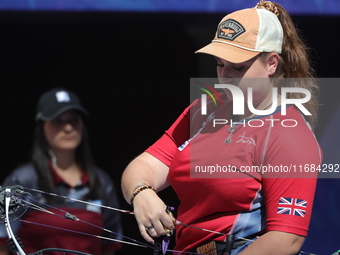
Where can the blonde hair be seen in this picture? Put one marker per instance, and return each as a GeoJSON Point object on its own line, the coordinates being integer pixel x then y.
{"type": "Point", "coordinates": [294, 61]}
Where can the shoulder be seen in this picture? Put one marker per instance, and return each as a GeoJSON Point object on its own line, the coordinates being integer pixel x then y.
{"type": "Point", "coordinates": [292, 125]}
{"type": "Point", "coordinates": [25, 175]}
{"type": "Point", "coordinates": [290, 135]}
{"type": "Point", "coordinates": [26, 168]}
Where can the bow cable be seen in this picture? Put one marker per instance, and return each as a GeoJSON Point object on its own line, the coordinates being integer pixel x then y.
{"type": "Point", "coordinates": [140, 244]}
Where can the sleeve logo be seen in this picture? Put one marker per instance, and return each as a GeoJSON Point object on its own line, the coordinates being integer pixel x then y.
{"type": "Point", "coordinates": [292, 206]}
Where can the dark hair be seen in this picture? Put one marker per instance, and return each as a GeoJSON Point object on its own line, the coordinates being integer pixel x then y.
{"type": "Point", "coordinates": [294, 60]}
{"type": "Point", "coordinates": [40, 158]}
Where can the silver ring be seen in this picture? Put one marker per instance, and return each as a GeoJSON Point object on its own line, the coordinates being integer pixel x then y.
{"type": "Point", "coordinates": [149, 227]}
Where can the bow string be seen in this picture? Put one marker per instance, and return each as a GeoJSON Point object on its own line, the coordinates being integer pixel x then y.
{"type": "Point", "coordinates": [14, 202]}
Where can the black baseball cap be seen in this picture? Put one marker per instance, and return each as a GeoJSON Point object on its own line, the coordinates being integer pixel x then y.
{"type": "Point", "coordinates": [56, 101]}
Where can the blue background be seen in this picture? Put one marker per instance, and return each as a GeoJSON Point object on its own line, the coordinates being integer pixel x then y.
{"type": "Point", "coordinates": [324, 236]}
{"type": "Point", "coordinates": [293, 6]}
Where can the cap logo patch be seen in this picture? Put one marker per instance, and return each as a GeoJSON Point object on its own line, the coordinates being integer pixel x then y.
{"type": "Point", "coordinates": [62, 96]}
{"type": "Point", "coordinates": [230, 29]}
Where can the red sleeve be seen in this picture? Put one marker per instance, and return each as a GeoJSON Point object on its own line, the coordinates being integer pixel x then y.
{"type": "Point", "coordinates": [289, 195]}
{"type": "Point", "coordinates": [166, 147]}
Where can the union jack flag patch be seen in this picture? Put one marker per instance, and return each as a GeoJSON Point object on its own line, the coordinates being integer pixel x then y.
{"type": "Point", "coordinates": [292, 206]}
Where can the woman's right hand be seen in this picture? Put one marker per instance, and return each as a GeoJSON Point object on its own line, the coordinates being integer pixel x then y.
{"type": "Point", "coordinates": [151, 215]}
{"type": "Point", "coordinates": [149, 209]}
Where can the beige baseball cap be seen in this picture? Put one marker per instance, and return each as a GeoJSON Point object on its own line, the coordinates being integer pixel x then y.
{"type": "Point", "coordinates": [244, 34]}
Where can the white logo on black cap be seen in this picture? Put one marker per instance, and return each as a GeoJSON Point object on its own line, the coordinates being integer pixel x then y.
{"type": "Point", "coordinates": [230, 29]}
{"type": "Point", "coordinates": [62, 96]}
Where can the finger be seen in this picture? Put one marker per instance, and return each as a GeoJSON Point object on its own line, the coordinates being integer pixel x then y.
{"type": "Point", "coordinates": [173, 219]}
{"type": "Point", "coordinates": [159, 224]}
{"type": "Point", "coordinates": [145, 233]}
{"type": "Point", "coordinates": [149, 227]}
{"type": "Point", "coordinates": [168, 221]}
{"type": "Point", "coordinates": [157, 230]}
{"type": "Point", "coordinates": [170, 215]}
{"type": "Point", "coordinates": [177, 222]}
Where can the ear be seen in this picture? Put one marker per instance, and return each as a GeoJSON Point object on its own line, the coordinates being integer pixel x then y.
{"type": "Point", "coordinates": [272, 63]}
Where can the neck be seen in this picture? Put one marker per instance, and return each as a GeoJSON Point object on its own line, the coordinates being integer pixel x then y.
{"type": "Point", "coordinates": [63, 160]}
{"type": "Point", "coordinates": [66, 167]}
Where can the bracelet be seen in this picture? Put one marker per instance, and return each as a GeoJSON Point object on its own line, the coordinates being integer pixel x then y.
{"type": "Point", "coordinates": [137, 191]}
{"type": "Point", "coordinates": [138, 185]}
